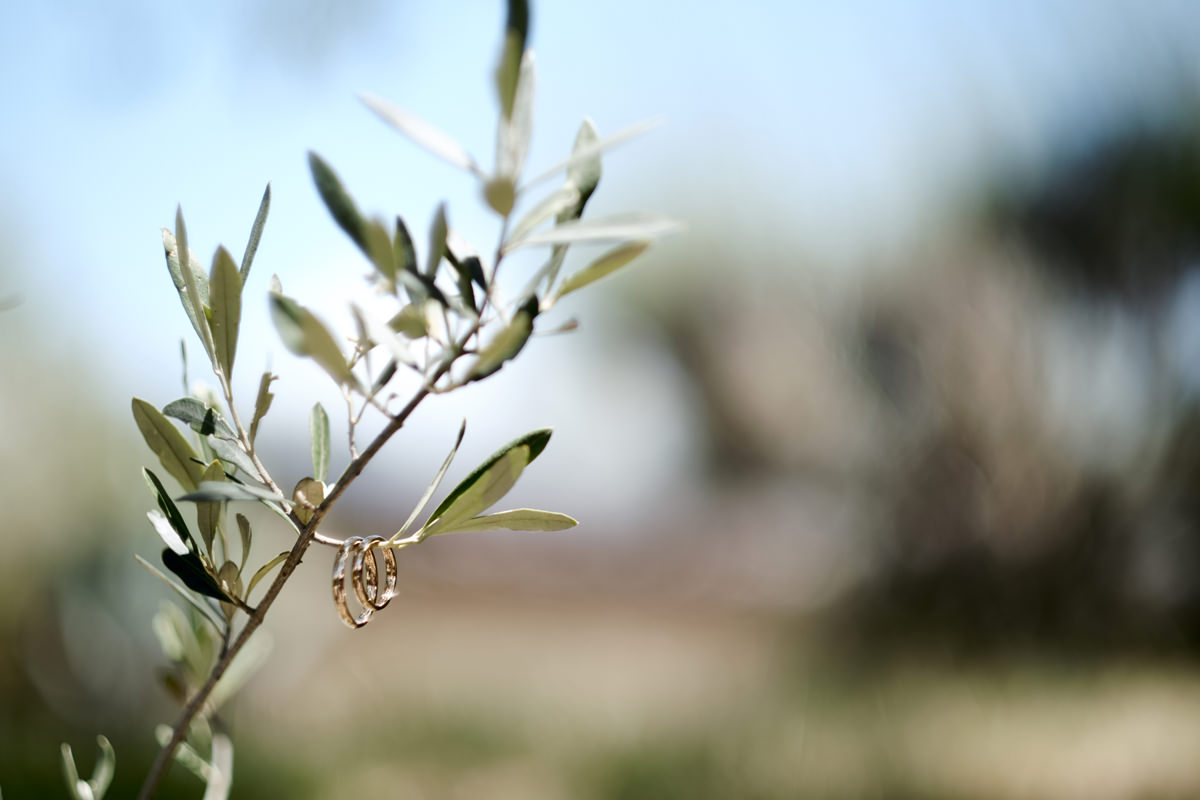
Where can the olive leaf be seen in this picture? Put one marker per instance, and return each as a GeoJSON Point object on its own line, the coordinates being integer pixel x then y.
{"type": "Point", "coordinates": [208, 514]}
{"type": "Point", "coordinates": [225, 298]}
{"type": "Point", "coordinates": [203, 419]}
{"type": "Point", "coordinates": [508, 70]}
{"type": "Point", "coordinates": [618, 227]}
{"type": "Point", "coordinates": [490, 481]}
{"type": "Point", "coordinates": [519, 519]}
{"type": "Point", "coordinates": [262, 403]}
{"type": "Point", "coordinates": [190, 569]}
{"type": "Point", "coordinates": [433, 486]}
{"type": "Point", "coordinates": [171, 515]}
{"type": "Point", "coordinates": [165, 441]}
{"type": "Point", "coordinates": [318, 428]}
{"type": "Point", "coordinates": [304, 335]}
{"type": "Point", "coordinates": [606, 264]}
{"type": "Point", "coordinates": [341, 206]}
{"type": "Point", "coordinates": [260, 219]}
{"type": "Point", "coordinates": [209, 491]}
{"type": "Point", "coordinates": [422, 134]}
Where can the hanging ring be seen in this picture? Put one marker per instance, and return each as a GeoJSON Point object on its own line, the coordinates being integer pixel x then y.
{"type": "Point", "coordinates": [368, 590]}
{"type": "Point", "coordinates": [351, 544]}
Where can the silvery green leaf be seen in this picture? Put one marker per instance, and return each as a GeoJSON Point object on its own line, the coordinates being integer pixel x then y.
{"type": "Point", "coordinates": [208, 514]}
{"type": "Point", "coordinates": [488, 482]}
{"type": "Point", "coordinates": [170, 513]}
{"type": "Point", "coordinates": [422, 134]}
{"type": "Point", "coordinates": [519, 519]}
{"type": "Point", "coordinates": [195, 313]}
{"type": "Point", "coordinates": [584, 171]}
{"type": "Point", "coordinates": [586, 154]}
{"type": "Point", "coordinates": [209, 491]}
{"type": "Point", "coordinates": [265, 569]}
{"type": "Point", "coordinates": [551, 205]}
{"type": "Point", "coordinates": [225, 297]}
{"type": "Point", "coordinates": [232, 453]}
{"type": "Point", "coordinates": [516, 33]}
{"type": "Point", "coordinates": [437, 241]}
{"type": "Point", "coordinates": [262, 403]}
{"type": "Point", "coordinates": [203, 419]}
{"type": "Point", "coordinates": [618, 227]}
{"type": "Point", "coordinates": [205, 611]}
{"type": "Point", "coordinates": [318, 429]}
{"type": "Point", "coordinates": [487, 488]}
{"type": "Point", "coordinates": [165, 441]}
{"type": "Point", "coordinates": [193, 277]}
{"type": "Point", "coordinates": [606, 264]}
{"type": "Point", "coordinates": [341, 206]}
{"type": "Point", "coordinates": [185, 754]}
{"type": "Point", "coordinates": [514, 132]}
{"type": "Point", "coordinates": [433, 486]}
{"type": "Point", "coordinates": [165, 531]}
{"type": "Point", "coordinates": [260, 219]}
{"type": "Point", "coordinates": [304, 335]}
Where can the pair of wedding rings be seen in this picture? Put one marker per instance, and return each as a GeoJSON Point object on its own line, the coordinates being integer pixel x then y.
{"type": "Point", "coordinates": [360, 554]}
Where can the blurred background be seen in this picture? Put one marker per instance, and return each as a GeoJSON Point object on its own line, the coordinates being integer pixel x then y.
{"type": "Point", "coordinates": [886, 467]}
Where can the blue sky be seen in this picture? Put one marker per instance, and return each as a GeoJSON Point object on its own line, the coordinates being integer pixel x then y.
{"type": "Point", "coordinates": [853, 123]}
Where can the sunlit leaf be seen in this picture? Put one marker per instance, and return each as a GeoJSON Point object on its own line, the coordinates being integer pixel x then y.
{"type": "Point", "coordinates": [225, 297]}
{"type": "Point", "coordinates": [583, 169]}
{"type": "Point", "coordinates": [193, 276]}
{"type": "Point", "coordinates": [166, 531]}
{"type": "Point", "coordinates": [606, 264]}
{"type": "Point", "coordinates": [304, 335]}
{"type": "Point", "coordinates": [515, 131]}
{"type": "Point", "coordinates": [516, 33]}
{"type": "Point", "coordinates": [619, 227]}
{"type": "Point", "coordinates": [262, 403]}
{"type": "Point", "coordinates": [195, 313]}
{"type": "Point", "coordinates": [201, 418]}
{"type": "Point", "coordinates": [318, 429]}
{"type": "Point", "coordinates": [520, 519]}
{"type": "Point", "coordinates": [95, 787]}
{"type": "Point", "coordinates": [422, 133]}
{"type": "Point", "coordinates": [209, 491]}
{"type": "Point", "coordinates": [260, 219]}
{"type": "Point", "coordinates": [433, 486]}
{"type": "Point", "coordinates": [170, 514]}
{"type": "Point", "coordinates": [490, 481]}
{"type": "Point", "coordinates": [586, 154]}
{"type": "Point", "coordinates": [551, 205]}
{"type": "Point", "coordinates": [165, 441]}
{"type": "Point", "coordinates": [501, 194]}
